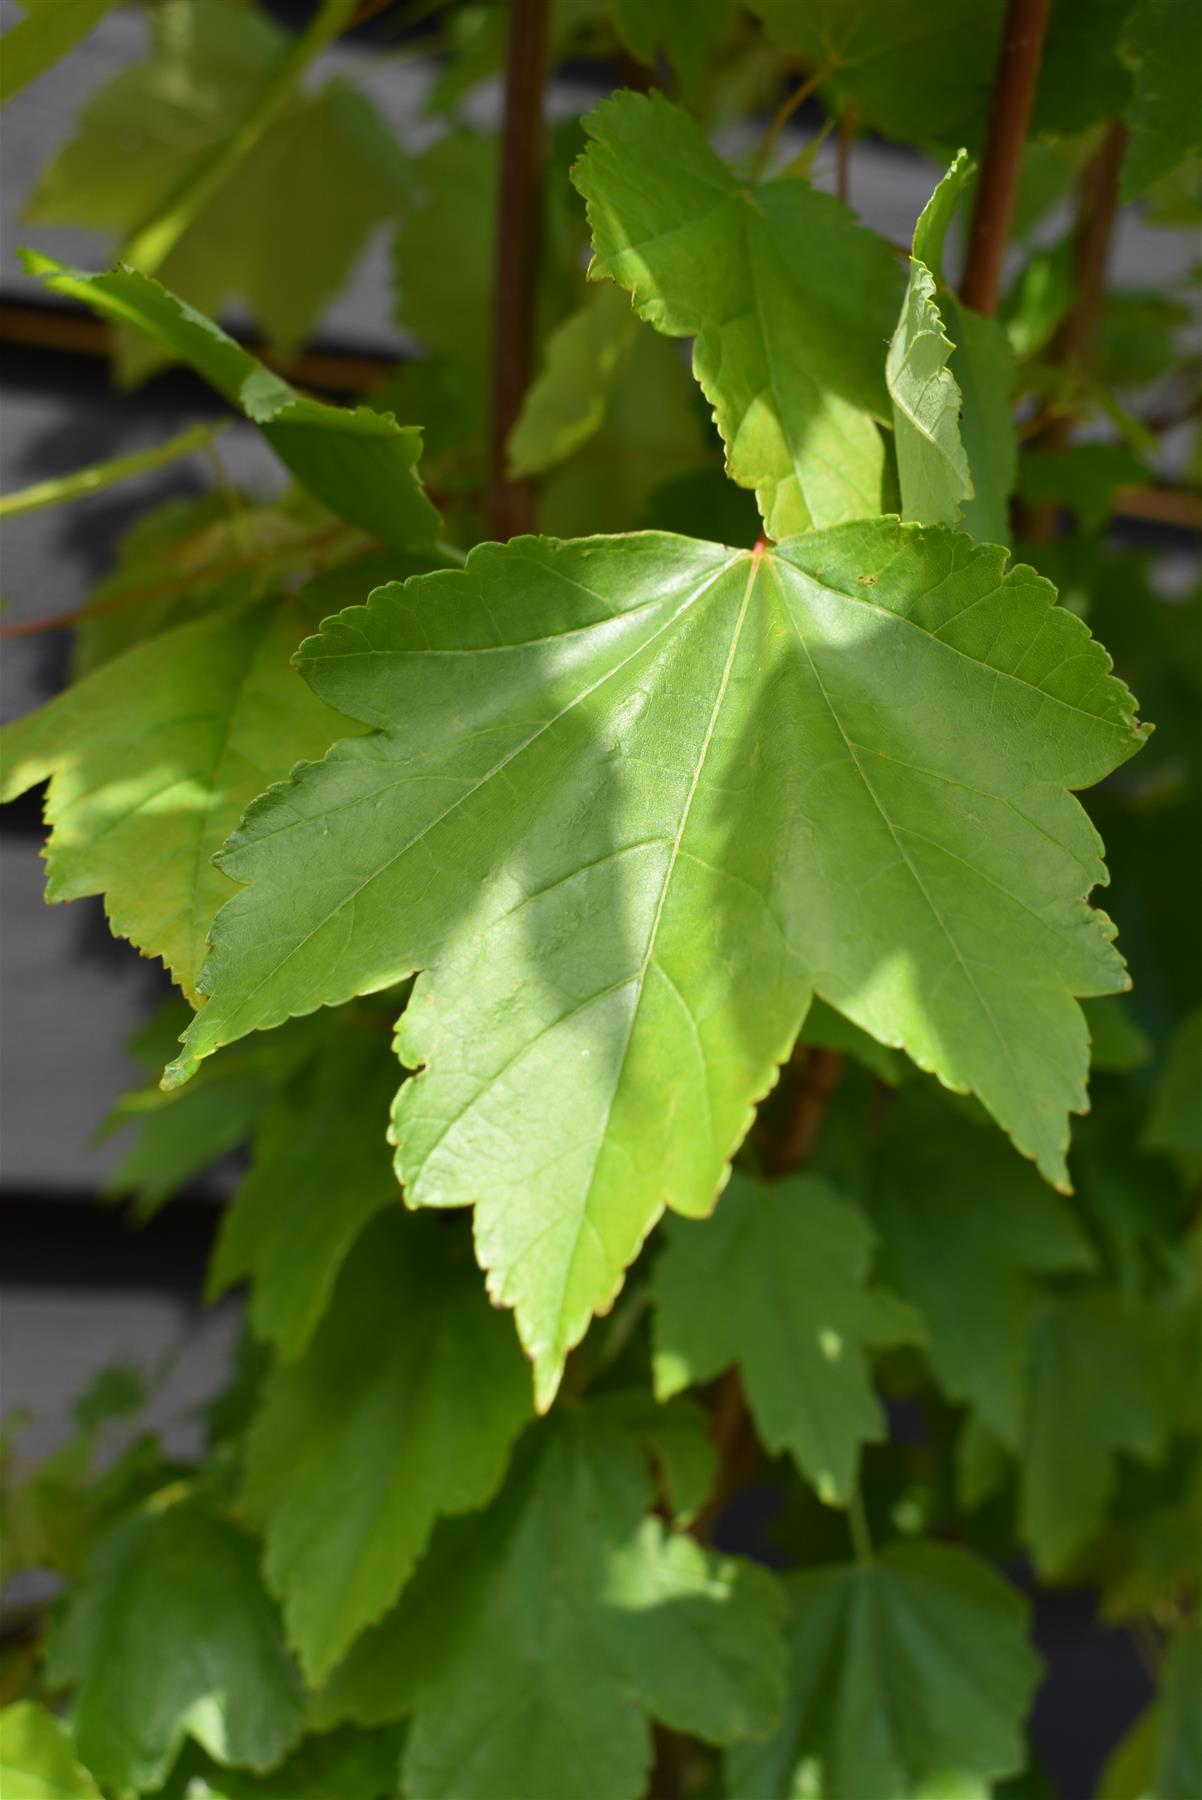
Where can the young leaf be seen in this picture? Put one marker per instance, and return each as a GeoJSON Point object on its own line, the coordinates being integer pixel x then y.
{"type": "Point", "coordinates": [201, 1653]}
{"type": "Point", "coordinates": [152, 760]}
{"type": "Point", "coordinates": [633, 799]}
{"type": "Point", "coordinates": [537, 1640]}
{"type": "Point", "coordinates": [404, 1406]}
{"type": "Point", "coordinates": [1100, 1383]}
{"type": "Point", "coordinates": [967, 1229]}
{"type": "Point", "coordinates": [909, 1675]}
{"type": "Point", "coordinates": [791, 304]}
{"type": "Point", "coordinates": [43, 37]}
{"type": "Point", "coordinates": [776, 1281]}
{"type": "Point", "coordinates": [1164, 115]}
{"type": "Point", "coordinates": [321, 1170]}
{"type": "Point", "coordinates": [932, 468]}
{"type": "Point", "coordinates": [361, 464]}
{"type": "Point", "coordinates": [37, 1758]}
{"type": "Point", "coordinates": [980, 368]}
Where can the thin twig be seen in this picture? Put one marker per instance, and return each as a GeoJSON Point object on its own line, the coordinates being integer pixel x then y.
{"type": "Point", "coordinates": [1009, 115]}
{"type": "Point", "coordinates": [784, 113]}
{"type": "Point", "coordinates": [519, 209]}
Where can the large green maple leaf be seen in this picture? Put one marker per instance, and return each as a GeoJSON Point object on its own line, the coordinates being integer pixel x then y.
{"type": "Point", "coordinates": [152, 759]}
{"type": "Point", "coordinates": [404, 1406]}
{"type": "Point", "coordinates": [776, 1281]}
{"type": "Point", "coordinates": [633, 800]}
{"type": "Point", "coordinates": [791, 302]}
{"type": "Point", "coordinates": [201, 1652]}
{"type": "Point", "coordinates": [538, 1639]}
{"type": "Point", "coordinates": [909, 1675]}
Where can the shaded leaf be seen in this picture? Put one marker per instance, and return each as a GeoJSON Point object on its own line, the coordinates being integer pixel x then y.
{"type": "Point", "coordinates": [909, 1675]}
{"type": "Point", "coordinates": [967, 1230]}
{"type": "Point", "coordinates": [1100, 1383]}
{"type": "Point", "coordinates": [689, 36]}
{"type": "Point", "coordinates": [320, 1171]}
{"type": "Point", "coordinates": [538, 1640]}
{"type": "Point", "coordinates": [1164, 115]}
{"type": "Point", "coordinates": [403, 1407]}
{"type": "Point", "coordinates": [201, 1653]}
{"type": "Point", "coordinates": [776, 1281]}
{"type": "Point", "coordinates": [1175, 1121]}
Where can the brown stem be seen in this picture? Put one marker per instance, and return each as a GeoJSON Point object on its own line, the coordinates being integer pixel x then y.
{"type": "Point", "coordinates": [1072, 348]}
{"type": "Point", "coordinates": [1097, 209]}
{"type": "Point", "coordinates": [511, 503]}
{"type": "Point", "coordinates": [1009, 115]}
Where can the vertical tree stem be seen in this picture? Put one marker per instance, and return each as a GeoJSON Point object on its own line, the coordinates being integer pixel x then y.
{"type": "Point", "coordinates": [1098, 200]}
{"type": "Point", "coordinates": [518, 219]}
{"type": "Point", "coordinates": [1009, 115]}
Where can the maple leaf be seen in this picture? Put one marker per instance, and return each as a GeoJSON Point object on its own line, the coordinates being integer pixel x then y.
{"type": "Point", "coordinates": [790, 301]}
{"type": "Point", "coordinates": [966, 1231]}
{"type": "Point", "coordinates": [220, 712]}
{"type": "Point", "coordinates": [776, 1281]}
{"type": "Point", "coordinates": [320, 1170]}
{"type": "Point", "coordinates": [633, 800]}
{"type": "Point", "coordinates": [202, 1654]}
{"type": "Point", "coordinates": [910, 1675]}
{"type": "Point", "coordinates": [536, 1639]}
{"type": "Point", "coordinates": [404, 1406]}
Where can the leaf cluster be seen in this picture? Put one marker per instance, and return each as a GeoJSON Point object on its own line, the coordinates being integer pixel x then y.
{"type": "Point", "coordinates": [676, 925]}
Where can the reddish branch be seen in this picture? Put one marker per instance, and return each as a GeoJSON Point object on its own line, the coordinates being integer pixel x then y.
{"type": "Point", "coordinates": [1009, 115]}
{"type": "Point", "coordinates": [511, 503]}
